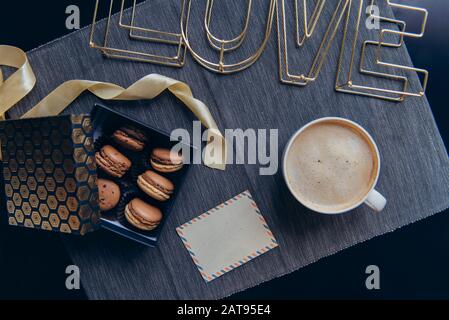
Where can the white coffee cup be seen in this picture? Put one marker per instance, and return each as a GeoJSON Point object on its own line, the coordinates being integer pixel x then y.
{"type": "Point", "coordinates": [310, 181]}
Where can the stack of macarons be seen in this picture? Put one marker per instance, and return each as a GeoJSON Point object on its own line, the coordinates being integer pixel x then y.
{"type": "Point", "coordinates": [155, 185]}
{"type": "Point", "coordinates": [138, 213]}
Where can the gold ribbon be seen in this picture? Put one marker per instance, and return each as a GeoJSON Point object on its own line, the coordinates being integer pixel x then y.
{"type": "Point", "coordinates": [22, 82]}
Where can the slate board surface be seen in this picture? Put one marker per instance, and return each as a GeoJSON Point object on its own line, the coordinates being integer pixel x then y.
{"type": "Point", "coordinates": [414, 176]}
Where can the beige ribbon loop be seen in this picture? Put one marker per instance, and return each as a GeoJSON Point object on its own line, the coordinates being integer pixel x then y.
{"type": "Point", "coordinates": [19, 84]}
{"type": "Point", "coordinates": [23, 80]}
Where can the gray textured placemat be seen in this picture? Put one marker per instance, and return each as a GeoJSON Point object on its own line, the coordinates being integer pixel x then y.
{"type": "Point", "coordinates": [414, 175]}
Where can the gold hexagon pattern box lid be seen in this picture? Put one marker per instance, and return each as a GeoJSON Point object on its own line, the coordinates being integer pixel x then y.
{"type": "Point", "coordinates": [49, 174]}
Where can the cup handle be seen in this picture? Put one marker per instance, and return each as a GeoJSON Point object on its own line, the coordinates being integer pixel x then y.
{"type": "Point", "coordinates": [376, 201]}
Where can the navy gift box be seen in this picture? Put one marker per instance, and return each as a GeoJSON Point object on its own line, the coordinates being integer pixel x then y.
{"type": "Point", "coordinates": [50, 174]}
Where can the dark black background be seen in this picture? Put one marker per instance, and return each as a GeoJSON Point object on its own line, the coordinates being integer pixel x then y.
{"type": "Point", "coordinates": [413, 261]}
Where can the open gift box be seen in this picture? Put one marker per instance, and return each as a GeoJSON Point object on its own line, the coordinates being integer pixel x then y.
{"type": "Point", "coordinates": [50, 174]}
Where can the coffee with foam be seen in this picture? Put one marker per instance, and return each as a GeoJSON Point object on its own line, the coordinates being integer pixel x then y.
{"type": "Point", "coordinates": [331, 166]}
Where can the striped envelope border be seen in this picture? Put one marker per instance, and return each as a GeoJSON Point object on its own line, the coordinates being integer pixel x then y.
{"type": "Point", "coordinates": [209, 277]}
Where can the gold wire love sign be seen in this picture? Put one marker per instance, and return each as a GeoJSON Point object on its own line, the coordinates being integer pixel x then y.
{"type": "Point", "coordinates": [311, 21]}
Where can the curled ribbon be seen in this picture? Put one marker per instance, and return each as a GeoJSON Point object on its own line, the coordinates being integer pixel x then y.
{"type": "Point", "coordinates": [22, 82]}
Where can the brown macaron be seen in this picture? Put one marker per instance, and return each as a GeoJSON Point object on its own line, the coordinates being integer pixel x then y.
{"type": "Point", "coordinates": [130, 138]}
{"type": "Point", "coordinates": [155, 185]}
{"type": "Point", "coordinates": [111, 161]}
{"type": "Point", "coordinates": [164, 160]}
{"type": "Point", "coordinates": [142, 215]}
{"type": "Point", "coordinates": [108, 194]}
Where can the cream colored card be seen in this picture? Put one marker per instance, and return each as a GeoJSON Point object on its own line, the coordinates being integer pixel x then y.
{"type": "Point", "coordinates": [227, 236]}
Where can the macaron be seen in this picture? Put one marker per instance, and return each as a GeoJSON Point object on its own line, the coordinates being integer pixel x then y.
{"type": "Point", "coordinates": [111, 161]}
{"type": "Point", "coordinates": [155, 185]}
{"type": "Point", "coordinates": [108, 194]}
{"type": "Point", "coordinates": [142, 215]}
{"type": "Point", "coordinates": [164, 160]}
{"type": "Point", "coordinates": [130, 138]}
